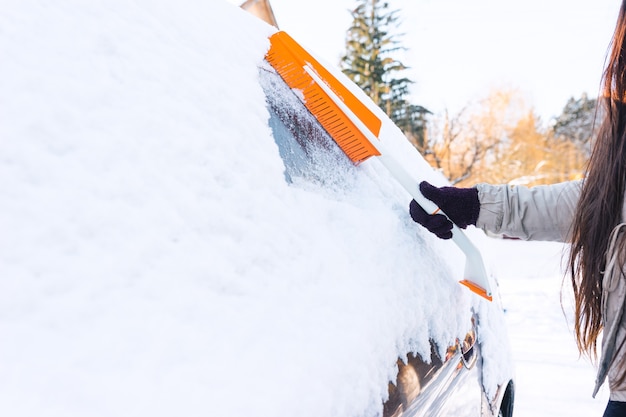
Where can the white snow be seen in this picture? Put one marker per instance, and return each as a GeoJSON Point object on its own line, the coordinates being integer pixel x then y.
{"type": "Point", "coordinates": [153, 259]}
{"type": "Point", "coordinates": [551, 377]}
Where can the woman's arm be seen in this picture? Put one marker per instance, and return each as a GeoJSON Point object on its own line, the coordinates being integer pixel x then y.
{"type": "Point", "coordinates": [543, 212]}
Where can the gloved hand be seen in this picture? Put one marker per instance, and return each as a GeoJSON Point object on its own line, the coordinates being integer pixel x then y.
{"type": "Point", "coordinates": [461, 205]}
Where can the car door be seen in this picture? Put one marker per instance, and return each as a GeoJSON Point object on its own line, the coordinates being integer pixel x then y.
{"type": "Point", "coordinates": [448, 386]}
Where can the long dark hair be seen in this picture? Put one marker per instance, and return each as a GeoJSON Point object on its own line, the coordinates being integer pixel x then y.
{"type": "Point", "coordinates": [600, 205]}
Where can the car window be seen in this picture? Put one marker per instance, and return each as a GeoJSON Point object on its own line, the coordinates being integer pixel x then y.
{"type": "Point", "coordinates": [305, 147]}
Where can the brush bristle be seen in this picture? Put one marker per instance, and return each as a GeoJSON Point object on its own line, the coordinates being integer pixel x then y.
{"type": "Point", "coordinates": [288, 59]}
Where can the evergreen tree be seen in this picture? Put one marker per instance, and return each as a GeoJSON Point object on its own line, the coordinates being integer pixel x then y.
{"type": "Point", "coordinates": [576, 122]}
{"type": "Point", "coordinates": [369, 62]}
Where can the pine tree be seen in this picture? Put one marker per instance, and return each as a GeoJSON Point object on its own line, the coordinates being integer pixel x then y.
{"type": "Point", "coordinates": [576, 122]}
{"type": "Point", "coordinates": [369, 62]}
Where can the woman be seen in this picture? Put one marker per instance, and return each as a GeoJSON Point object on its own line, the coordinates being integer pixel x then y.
{"type": "Point", "coordinates": [588, 214]}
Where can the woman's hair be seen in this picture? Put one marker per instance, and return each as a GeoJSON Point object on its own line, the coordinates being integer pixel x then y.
{"type": "Point", "coordinates": [600, 206]}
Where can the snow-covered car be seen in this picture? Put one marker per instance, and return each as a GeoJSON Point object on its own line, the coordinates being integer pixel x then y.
{"type": "Point", "coordinates": [178, 236]}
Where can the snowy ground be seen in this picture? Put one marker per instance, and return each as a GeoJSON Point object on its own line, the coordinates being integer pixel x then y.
{"type": "Point", "coordinates": [551, 378]}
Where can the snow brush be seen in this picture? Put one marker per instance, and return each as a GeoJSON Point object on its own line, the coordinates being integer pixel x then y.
{"type": "Point", "coordinates": [362, 130]}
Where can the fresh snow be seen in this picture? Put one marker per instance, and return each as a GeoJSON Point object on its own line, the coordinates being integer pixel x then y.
{"type": "Point", "coordinates": [155, 261]}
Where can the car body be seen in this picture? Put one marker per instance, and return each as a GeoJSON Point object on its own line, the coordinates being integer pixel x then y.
{"type": "Point", "coordinates": [179, 236]}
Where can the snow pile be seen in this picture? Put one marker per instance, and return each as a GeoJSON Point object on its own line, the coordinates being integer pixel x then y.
{"type": "Point", "coordinates": [153, 259]}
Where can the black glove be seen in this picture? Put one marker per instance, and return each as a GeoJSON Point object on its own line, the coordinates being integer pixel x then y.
{"type": "Point", "coordinates": [461, 205]}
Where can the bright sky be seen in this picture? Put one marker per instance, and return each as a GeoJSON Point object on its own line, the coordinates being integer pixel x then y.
{"type": "Point", "coordinates": [458, 50]}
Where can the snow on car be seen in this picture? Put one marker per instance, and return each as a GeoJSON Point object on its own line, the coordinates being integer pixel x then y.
{"type": "Point", "coordinates": [178, 236]}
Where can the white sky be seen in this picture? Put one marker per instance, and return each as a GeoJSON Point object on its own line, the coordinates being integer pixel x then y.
{"type": "Point", "coordinates": [458, 50]}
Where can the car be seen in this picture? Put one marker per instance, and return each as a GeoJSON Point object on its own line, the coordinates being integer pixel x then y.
{"type": "Point", "coordinates": [179, 236]}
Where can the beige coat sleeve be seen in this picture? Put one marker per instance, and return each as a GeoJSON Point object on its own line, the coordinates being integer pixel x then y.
{"type": "Point", "coordinates": [538, 213]}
